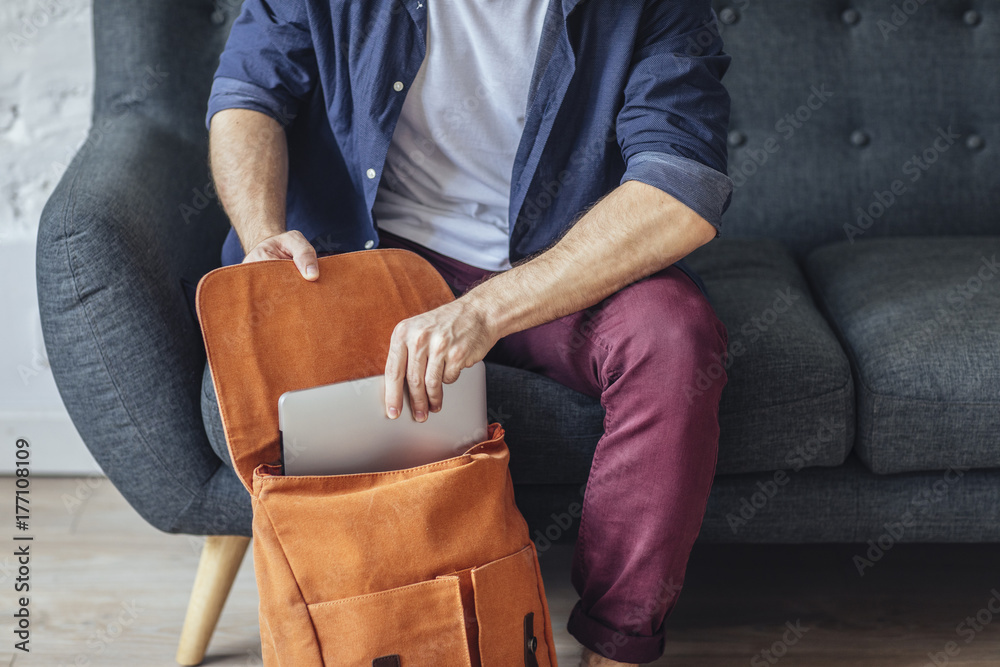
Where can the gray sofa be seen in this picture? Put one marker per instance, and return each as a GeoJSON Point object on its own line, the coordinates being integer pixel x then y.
{"type": "Point", "coordinates": [857, 277]}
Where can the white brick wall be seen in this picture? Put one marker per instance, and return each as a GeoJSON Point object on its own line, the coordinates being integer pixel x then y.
{"type": "Point", "coordinates": [46, 83]}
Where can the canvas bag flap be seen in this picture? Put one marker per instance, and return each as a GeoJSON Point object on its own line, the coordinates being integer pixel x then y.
{"type": "Point", "coordinates": [267, 330]}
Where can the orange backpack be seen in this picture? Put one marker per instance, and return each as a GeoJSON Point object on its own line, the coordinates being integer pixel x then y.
{"type": "Point", "coordinates": [429, 566]}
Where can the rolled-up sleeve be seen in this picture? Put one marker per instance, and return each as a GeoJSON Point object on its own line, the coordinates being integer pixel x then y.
{"type": "Point", "coordinates": [268, 64]}
{"type": "Point", "coordinates": [673, 124]}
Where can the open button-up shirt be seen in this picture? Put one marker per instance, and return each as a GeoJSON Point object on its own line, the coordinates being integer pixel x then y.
{"type": "Point", "coordinates": [621, 90]}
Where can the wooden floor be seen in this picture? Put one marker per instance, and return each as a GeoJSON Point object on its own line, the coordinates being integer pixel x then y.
{"type": "Point", "coordinates": [108, 590]}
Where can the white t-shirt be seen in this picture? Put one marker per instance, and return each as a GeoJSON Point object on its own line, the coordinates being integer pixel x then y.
{"type": "Point", "coordinates": [446, 182]}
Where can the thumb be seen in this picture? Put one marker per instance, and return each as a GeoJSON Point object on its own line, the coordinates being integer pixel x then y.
{"type": "Point", "coordinates": [304, 256]}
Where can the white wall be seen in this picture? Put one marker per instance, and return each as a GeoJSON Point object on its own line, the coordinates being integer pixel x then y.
{"type": "Point", "coordinates": [46, 83]}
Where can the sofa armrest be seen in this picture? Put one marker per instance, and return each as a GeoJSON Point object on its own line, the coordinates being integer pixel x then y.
{"type": "Point", "coordinates": [133, 215]}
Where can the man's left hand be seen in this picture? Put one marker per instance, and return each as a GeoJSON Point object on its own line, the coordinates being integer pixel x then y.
{"type": "Point", "coordinates": [430, 350]}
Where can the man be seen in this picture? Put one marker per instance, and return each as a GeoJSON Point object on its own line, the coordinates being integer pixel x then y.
{"type": "Point", "coordinates": [554, 161]}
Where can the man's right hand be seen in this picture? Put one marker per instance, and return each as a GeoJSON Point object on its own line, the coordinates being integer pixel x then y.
{"type": "Point", "coordinates": [287, 245]}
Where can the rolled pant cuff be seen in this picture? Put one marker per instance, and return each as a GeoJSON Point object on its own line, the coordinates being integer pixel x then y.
{"type": "Point", "coordinates": [611, 643]}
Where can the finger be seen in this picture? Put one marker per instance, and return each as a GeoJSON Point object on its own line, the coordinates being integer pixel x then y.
{"type": "Point", "coordinates": [264, 250]}
{"type": "Point", "coordinates": [416, 371]}
{"type": "Point", "coordinates": [452, 368]}
{"type": "Point", "coordinates": [434, 380]}
{"type": "Point", "coordinates": [268, 248]}
{"type": "Point", "coordinates": [303, 254]}
{"type": "Point", "coordinates": [395, 367]}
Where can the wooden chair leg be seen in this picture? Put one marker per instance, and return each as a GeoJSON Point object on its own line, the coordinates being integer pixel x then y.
{"type": "Point", "coordinates": [220, 561]}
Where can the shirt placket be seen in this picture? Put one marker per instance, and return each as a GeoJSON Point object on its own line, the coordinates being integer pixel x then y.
{"type": "Point", "coordinates": [557, 64]}
{"type": "Point", "coordinates": [404, 70]}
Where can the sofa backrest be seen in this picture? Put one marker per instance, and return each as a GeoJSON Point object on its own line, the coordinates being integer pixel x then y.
{"type": "Point", "coordinates": [862, 119]}
{"type": "Point", "coordinates": [156, 59]}
{"type": "Point", "coordinates": [850, 120]}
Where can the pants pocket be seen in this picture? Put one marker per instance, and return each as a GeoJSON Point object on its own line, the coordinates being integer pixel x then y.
{"type": "Point", "coordinates": [510, 611]}
{"type": "Point", "coordinates": [422, 624]}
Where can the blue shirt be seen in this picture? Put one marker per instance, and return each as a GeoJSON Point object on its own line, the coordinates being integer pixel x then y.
{"type": "Point", "coordinates": [621, 90]}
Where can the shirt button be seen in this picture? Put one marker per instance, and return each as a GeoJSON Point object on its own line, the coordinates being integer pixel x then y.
{"type": "Point", "coordinates": [398, 86]}
{"type": "Point", "coordinates": [370, 173]}
{"type": "Point", "coordinates": [369, 244]}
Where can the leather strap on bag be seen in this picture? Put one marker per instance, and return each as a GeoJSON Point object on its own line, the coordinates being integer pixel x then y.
{"type": "Point", "coordinates": [530, 642]}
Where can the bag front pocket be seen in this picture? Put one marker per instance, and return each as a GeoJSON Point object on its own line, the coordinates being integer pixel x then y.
{"type": "Point", "coordinates": [513, 619]}
{"type": "Point", "coordinates": [411, 626]}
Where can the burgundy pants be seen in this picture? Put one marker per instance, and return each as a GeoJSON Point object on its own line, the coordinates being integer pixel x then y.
{"type": "Point", "coordinates": [639, 351]}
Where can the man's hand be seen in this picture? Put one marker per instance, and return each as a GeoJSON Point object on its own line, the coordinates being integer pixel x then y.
{"type": "Point", "coordinates": [430, 350]}
{"type": "Point", "coordinates": [287, 245]}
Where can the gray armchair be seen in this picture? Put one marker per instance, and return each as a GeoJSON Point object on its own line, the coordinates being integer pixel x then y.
{"type": "Point", "coordinates": [128, 232]}
{"type": "Point", "coordinates": [112, 251]}
{"type": "Point", "coordinates": [840, 412]}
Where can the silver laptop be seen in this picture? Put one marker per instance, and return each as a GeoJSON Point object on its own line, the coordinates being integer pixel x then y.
{"type": "Point", "coordinates": [342, 428]}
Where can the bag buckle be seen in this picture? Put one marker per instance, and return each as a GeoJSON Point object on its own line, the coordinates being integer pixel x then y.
{"type": "Point", "coordinates": [530, 642]}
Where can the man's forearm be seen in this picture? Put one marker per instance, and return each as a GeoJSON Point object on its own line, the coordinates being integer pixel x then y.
{"type": "Point", "coordinates": [249, 158]}
{"type": "Point", "coordinates": [633, 232]}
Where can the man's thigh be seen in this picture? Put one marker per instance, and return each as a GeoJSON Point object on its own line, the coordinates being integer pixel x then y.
{"type": "Point", "coordinates": [664, 314]}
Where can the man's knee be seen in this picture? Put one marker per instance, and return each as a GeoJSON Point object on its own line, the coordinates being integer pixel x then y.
{"type": "Point", "coordinates": [674, 328]}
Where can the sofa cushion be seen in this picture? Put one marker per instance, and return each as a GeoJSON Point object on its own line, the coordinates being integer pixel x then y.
{"type": "Point", "coordinates": [789, 399]}
{"type": "Point", "coordinates": [920, 318]}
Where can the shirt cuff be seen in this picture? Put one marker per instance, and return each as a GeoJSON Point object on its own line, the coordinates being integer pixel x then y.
{"type": "Point", "coordinates": [704, 190]}
{"type": "Point", "coordinates": [230, 93]}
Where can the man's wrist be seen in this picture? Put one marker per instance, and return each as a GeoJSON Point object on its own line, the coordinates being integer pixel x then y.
{"type": "Point", "coordinates": [491, 312]}
{"type": "Point", "coordinates": [259, 236]}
